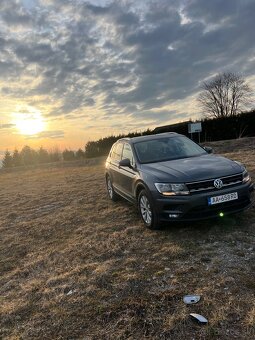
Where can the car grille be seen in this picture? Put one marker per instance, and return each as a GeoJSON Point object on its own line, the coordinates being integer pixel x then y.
{"type": "Point", "coordinates": [207, 185]}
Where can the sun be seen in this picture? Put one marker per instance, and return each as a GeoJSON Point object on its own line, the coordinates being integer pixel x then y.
{"type": "Point", "coordinates": [29, 122]}
{"type": "Point", "coordinates": [30, 126]}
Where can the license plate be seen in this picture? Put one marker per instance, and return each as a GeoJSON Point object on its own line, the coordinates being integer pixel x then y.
{"type": "Point", "coordinates": [222, 198]}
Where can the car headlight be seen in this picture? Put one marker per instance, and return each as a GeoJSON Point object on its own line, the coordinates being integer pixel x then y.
{"type": "Point", "coordinates": [246, 176]}
{"type": "Point", "coordinates": [171, 189]}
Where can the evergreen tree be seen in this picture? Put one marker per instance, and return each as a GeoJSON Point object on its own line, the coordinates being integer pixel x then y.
{"type": "Point", "coordinates": [55, 155]}
{"type": "Point", "coordinates": [80, 154]}
{"type": "Point", "coordinates": [7, 161]}
{"type": "Point", "coordinates": [43, 155]}
{"type": "Point", "coordinates": [29, 156]}
{"type": "Point", "coordinates": [16, 158]}
{"type": "Point", "coordinates": [68, 155]}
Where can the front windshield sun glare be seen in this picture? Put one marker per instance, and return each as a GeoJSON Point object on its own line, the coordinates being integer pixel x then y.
{"type": "Point", "coordinates": [167, 149]}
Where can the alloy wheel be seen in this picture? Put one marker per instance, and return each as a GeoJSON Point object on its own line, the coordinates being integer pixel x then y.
{"type": "Point", "coordinates": [109, 187]}
{"type": "Point", "coordinates": [145, 209]}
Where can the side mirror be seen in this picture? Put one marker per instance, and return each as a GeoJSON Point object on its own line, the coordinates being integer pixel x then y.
{"type": "Point", "coordinates": [208, 149]}
{"type": "Point", "coordinates": [125, 162]}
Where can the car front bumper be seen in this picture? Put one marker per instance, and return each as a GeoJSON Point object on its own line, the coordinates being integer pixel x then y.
{"type": "Point", "coordinates": [195, 206]}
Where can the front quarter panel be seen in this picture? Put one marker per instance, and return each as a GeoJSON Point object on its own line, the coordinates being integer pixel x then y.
{"type": "Point", "coordinates": [148, 180]}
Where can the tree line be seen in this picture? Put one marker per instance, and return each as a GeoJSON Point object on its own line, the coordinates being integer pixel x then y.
{"type": "Point", "coordinates": [28, 156]}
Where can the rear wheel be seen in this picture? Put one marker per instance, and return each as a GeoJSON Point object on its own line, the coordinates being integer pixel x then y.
{"type": "Point", "coordinates": [111, 193]}
{"type": "Point", "coordinates": [147, 210]}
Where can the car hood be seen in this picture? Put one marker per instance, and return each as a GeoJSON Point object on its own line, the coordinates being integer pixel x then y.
{"type": "Point", "coordinates": [192, 169]}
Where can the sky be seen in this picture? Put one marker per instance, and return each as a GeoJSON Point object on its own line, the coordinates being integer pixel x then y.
{"type": "Point", "coordinates": [74, 70]}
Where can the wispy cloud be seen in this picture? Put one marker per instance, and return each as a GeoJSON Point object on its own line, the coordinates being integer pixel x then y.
{"type": "Point", "coordinates": [6, 126]}
{"type": "Point", "coordinates": [58, 134]}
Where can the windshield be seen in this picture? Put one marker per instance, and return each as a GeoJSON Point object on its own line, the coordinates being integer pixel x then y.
{"type": "Point", "coordinates": [165, 149]}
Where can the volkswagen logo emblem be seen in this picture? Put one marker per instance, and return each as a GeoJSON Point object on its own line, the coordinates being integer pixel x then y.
{"type": "Point", "coordinates": [218, 183]}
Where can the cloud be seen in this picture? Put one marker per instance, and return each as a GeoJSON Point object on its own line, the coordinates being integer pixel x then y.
{"type": "Point", "coordinates": [6, 126]}
{"type": "Point", "coordinates": [58, 134]}
{"type": "Point", "coordinates": [13, 14]}
{"type": "Point", "coordinates": [155, 115]}
{"type": "Point", "coordinates": [123, 58]}
{"type": "Point", "coordinates": [217, 11]}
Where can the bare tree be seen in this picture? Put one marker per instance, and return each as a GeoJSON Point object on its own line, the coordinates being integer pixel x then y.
{"type": "Point", "coordinates": [225, 95]}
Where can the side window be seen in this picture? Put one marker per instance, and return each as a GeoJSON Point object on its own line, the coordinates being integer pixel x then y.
{"type": "Point", "coordinates": [127, 153]}
{"type": "Point", "coordinates": [116, 152]}
{"type": "Point", "coordinates": [112, 150]}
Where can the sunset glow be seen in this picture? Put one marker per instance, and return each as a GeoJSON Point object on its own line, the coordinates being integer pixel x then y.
{"type": "Point", "coordinates": [30, 123]}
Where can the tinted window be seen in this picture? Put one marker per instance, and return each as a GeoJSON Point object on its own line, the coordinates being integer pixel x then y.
{"type": "Point", "coordinates": [117, 151]}
{"type": "Point", "coordinates": [127, 153]}
{"type": "Point", "coordinates": [169, 148]}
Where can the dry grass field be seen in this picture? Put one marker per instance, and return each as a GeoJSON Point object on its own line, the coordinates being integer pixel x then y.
{"type": "Point", "coordinates": [74, 265]}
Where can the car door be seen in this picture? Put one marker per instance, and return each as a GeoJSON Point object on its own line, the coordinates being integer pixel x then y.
{"type": "Point", "coordinates": [114, 165]}
{"type": "Point", "coordinates": [127, 174]}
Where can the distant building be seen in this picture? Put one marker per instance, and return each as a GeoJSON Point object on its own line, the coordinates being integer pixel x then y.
{"type": "Point", "coordinates": [181, 128]}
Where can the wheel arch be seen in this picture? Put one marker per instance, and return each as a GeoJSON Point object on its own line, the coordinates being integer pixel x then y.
{"type": "Point", "coordinates": [139, 187]}
{"type": "Point", "coordinates": [108, 174]}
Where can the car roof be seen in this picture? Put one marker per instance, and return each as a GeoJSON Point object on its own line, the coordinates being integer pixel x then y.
{"type": "Point", "coordinates": [149, 137]}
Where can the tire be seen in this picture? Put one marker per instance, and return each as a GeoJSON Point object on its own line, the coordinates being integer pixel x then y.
{"type": "Point", "coordinates": [147, 210]}
{"type": "Point", "coordinates": [111, 193]}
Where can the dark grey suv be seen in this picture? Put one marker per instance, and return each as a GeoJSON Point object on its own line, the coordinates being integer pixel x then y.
{"type": "Point", "coordinates": [171, 178]}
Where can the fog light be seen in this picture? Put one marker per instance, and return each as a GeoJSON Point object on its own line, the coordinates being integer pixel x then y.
{"type": "Point", "coordinates": [173, 215]}
{"type": "Point", "coordinates": [221, 214]}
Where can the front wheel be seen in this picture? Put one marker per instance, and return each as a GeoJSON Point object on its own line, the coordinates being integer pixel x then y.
{"type": "Point", "coordinates": [111, 193]}
{"type": "Point", "coordinates": [147, 211]}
